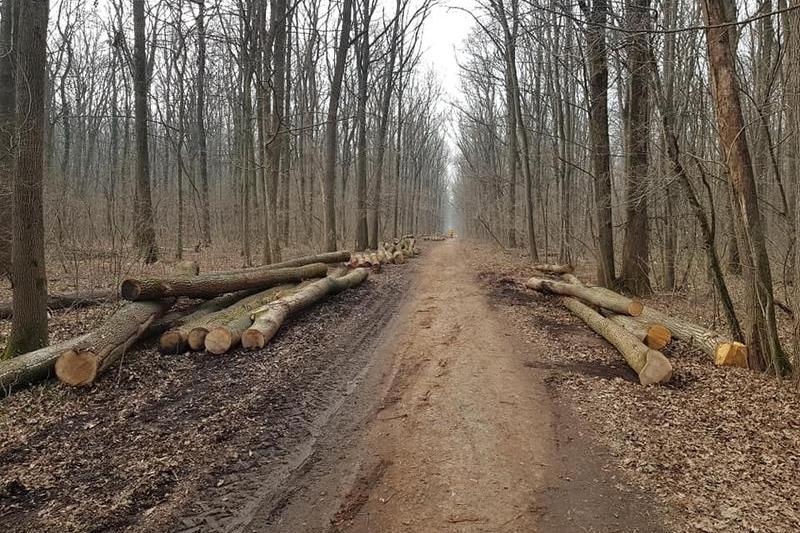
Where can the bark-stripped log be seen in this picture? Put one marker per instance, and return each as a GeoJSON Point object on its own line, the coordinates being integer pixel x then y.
{"type": "Point", "coordinates": [222, 331]}
{"type": "Point", "coordinates": [613, 302]}
{"type": "Point", "coordinates": [650, 365]}
{"type": "Point", "coordinates": [268, 319]}
{"type": "Point", "coordinates": [63, 301]}
{"type": "Point", "coordinates": [175, 340]}
{"type": "Point", "coordinates": [213, 284]}
{"type": "Point", "coordinates": [82, 363]}
{"type": "Point", "coordinates": [555, 269]}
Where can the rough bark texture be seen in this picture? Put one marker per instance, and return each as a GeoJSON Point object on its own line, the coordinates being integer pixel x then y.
{"type": "Point", "coordinates": [267, 320]}
{"type": "Point", "coordinates": [213, 284]}
{"type": "Point", "coordinates": [33, 366]}
{"type": "Point", "coordinates": [29, 327]}
{"type": "Point", "coordinates": [608, 300]}
{"type": "Point", "coordinates": [651, 366]}
{"type": "Point", "coordinates": [7, 107]}
{"type": "Point", "coordinates": [81, 364]}
{"type": "Point", "coordinates": [765, 350]}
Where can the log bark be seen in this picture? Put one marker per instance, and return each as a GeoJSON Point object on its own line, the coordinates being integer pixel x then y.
{"type": "Point", "coordinates": [651, 365]}
{"type": "Point", "coordinates": [63, 301]}
{"type": "Point", "coordinates": [81, 364]}
{"type": "Point", "coordinates": [213, 284]}
{"type": "Point", "coordinates": [267, 320]}
{"type": "Point", "coordinates": [611, 301]}
{"type": "Point", "coordinates": [175, 339]}
{"type": "Point", "coordinates": [226, 326]}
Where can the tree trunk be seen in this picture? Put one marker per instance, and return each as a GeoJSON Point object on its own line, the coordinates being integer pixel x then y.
{"type": "Point", "coordinates": [202, 146]}
{"type": "Point", "coordinates": [143, 207]}
{"type": "Point", "coordinates": [362, 233]}
{"type": "Point", "coordinates": [81, 364]}
{"type": "Point", "coordinates": [635, 276]}
{"type": "Point", "coordinates": [213, 284]}
{"type": "Point", "coordinates": [608, 300]}
{"type": "Point", "coordinates": [7, 139]}
{"type": "Point", "coordinates": [651, 366]}
{"type": "Point", "coordinates": [331, 128]}
{"type": "Point", "coordinates": [63, 301]}
{"type": "Point", "coordinates": [267, 320]}
{"type": "Point", "coordinates": [765, 350]}
{"type": "Point", "coordinates": [29, 277]}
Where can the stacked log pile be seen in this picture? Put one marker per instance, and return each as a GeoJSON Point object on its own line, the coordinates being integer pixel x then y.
{"type": "Point", "coordinates": [239, 305]}
{"type": "Point", "coordinates": [390, 252]}
{"type": "Point", "coordinates": [638, 332]}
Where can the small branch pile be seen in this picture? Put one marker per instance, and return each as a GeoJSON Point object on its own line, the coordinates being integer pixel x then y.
{"type": "Point", "coordinates": [637, 331]}
{"type": "Point", "coordinates": [244, 306]}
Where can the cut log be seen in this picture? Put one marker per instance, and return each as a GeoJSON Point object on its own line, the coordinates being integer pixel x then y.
{"type": "Point", "coordinates": [654, 335]}
{"type": "Point", "coordinates": [213, 284]}
{"type": "Point", "coordinates": [651, 365]}
{"type": "Point", "coordinates": [267, 320]}
{"type": "Point", "coordinates": [175, 339]}
{"type": "Point", "coordinates": [613, 302]}
{"type": "Point", "coordinates": [554, 269]}
{"type": "Point", "coordinates": [81, 364]}
{"type": "Point", "coordinates": [64, 301]}
{"type": "Point", "coordinates": [398, 258]}
{"type": "Point", "coordinates": [187, 268]}
{"type": "Point", "coordinates": [222, 331]}
{"type": "Point", "coordinates": [328, 258]}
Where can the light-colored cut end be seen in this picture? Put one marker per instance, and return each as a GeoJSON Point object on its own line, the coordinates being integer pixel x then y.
{"type": "Point", "coordinates": [253, 340]}
{"type": "Point", "coordinates": [197, 339]}
{"type": "Point", "coordinates": [657, 369]}
{"type": "Point", "coordinates": [731, 354]}
{"type": "Point", "coordinates": [657, 336]}
{"type": "Point", "coordinates": [635, 308]}
{"type": "Point", "coordinates": [219, 341]}
{"type": "Point", "coordinates": [172, 342]}
{"type": "Point", "coordinates": [77, 369]}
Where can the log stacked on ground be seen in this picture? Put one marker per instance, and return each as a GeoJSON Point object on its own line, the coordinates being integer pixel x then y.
{"type": "Point", "coordinates": [175, 339]}
{"type": "Point", "coordinates": [267, 320]}
{"type": "Point", "coordinates": [554, 269]}
{"type": "Point", "coordinates": [213, 284]}
{"type": "Point", "coordinates": [613, 301]}
{"type": "Point", "coordinates": [223, 331]}
{"type": "Point", "coordinates": [651, 365]}
{"type": "Point", "coordinates": [82, 363]}
{"type": "Point", "coordinates": [653, 334]}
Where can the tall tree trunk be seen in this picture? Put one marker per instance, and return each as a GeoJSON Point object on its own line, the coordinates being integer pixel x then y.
{"type": "Point", "coordinates": [512, 156]}
{"type": "Point", "coordinates": [598, 132]}
{"type": "Point", "coordinates": [332, 125]}
{"type": "Point", "coordinates": [29, 325]}
{"type": "Point", "coordinates": [278, 129]}
{"type": "Point", "coordinates": [7, 122]}
{"type": "Point", "coordinates": [361, 118]}
{"type": "Point", "coordinates": [202, 145]}
{"type": "Point", "coordinates": [765, 350]}
{"type": "Point", "coordinates": [143, 207]}
{"type": "Point", "coordinates": [635, 275]}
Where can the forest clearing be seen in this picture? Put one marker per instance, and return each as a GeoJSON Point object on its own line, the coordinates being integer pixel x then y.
{"type": "Point", "coordinates": [367, 266]}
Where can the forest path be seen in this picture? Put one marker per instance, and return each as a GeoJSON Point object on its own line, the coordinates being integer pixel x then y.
{"type": "Point", "coordinates": [465, 434]}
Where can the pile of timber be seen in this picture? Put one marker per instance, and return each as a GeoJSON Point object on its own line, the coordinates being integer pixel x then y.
{"type": "Point", "coordinates": [637, 331]}
{"type": "Point", "coordinates": [240, 306]}
{"type": "Point", "coordinates": [390, 252]}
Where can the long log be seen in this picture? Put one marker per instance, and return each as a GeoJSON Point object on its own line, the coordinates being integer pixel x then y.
{"type": "Point", "coordinates": [64, 301]}
{"type": "Point", "coordinates": [613, 302]}
{"type": "Point", "coordinates": [267, 320]}
{"type": "Point", "coordinates": [175, 339]}
{"type": "Point", "coordinates": [651, 365]}
{"type": "Point", "coordinates": [82, 363]}
{"type": "Point", "coordinates": [226, 326]}
{"type": "Point", "coordinates": [213, 284]}
{"type": "Point", "coordinates": [327, 257]}
{"type": "Point", "coordinates": [653, 334]}
{"type": "Point", "coordinates": [39, 365]}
